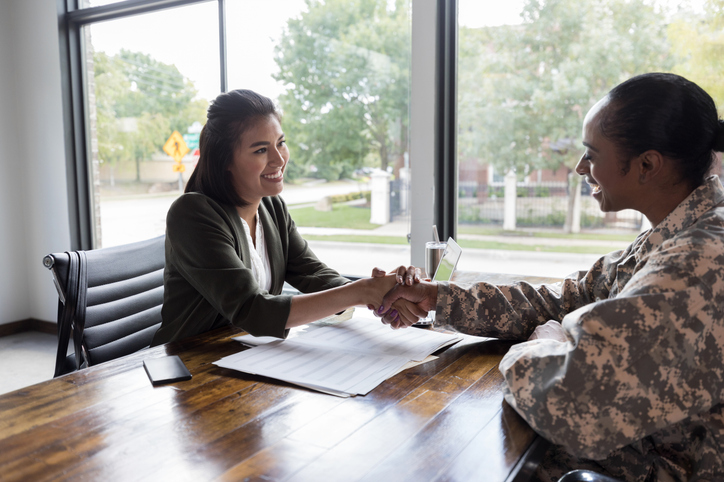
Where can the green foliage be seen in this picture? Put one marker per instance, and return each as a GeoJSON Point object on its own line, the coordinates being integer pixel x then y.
{"type": "Point", "coordinates": [697, 42]}
{"type": "Point", "coordinates": [524, 89]}
{"type": "Point", "coordinates": [139, 103]}
{"type": "Point", "coordinates": [527, 191]}
{"type": "Point", "coordinates": [472, 214]}
{"type": "Point", "coordinates": [553, 218]}
{"type": "Point", "coordinates": [589, 221]}
{"type": "Point", "coordinates": [345, 65]}
{"type": "Point", "coordinates": [343, 198]}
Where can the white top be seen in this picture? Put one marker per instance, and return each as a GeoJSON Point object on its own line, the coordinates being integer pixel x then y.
{"type": "Point", "coordinates": [260, 267]}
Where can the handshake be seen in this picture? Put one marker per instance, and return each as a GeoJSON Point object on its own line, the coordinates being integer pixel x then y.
{"type": "Point", "coordinates": [409, 299]}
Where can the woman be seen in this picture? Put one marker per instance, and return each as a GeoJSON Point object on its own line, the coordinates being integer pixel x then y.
{"type": "Point", "coordinates": [624, 372]}
{"type": "Point", "coordinates": [231, 244]}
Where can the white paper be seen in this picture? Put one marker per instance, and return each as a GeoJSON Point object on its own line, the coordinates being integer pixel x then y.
{"type": "Point", "coordinates": [352, 357]}
{"type": "Point", "coordinates": [372, 336]}
{"type": "Point", "coordinates": [349, 371]}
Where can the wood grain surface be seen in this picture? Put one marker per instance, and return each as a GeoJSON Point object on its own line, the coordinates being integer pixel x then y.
{"type": "Point", "coordinates": [444, 420]}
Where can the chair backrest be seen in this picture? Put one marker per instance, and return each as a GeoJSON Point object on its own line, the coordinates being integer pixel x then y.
{"type": "Point", "coordinates": [109, 299]}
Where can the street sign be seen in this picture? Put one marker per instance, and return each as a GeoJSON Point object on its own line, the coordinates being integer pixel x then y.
{"type": "Point", "coordinates": [178, 167]}
{"type": "Point", "coordinates": [176, 147]}
{"type": "Point", "coordinates": [192, 140]}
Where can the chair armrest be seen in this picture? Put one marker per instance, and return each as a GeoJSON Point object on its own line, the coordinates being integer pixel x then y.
{"type": "Point", "coordinates": [58, 263]}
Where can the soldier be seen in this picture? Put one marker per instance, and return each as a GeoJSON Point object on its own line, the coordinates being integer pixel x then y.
{"type": "Point", "coordinates": [623, 370]}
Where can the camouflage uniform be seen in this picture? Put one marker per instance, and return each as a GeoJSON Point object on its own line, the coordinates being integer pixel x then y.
{"type": "Point", "coordinates": [636, 392]}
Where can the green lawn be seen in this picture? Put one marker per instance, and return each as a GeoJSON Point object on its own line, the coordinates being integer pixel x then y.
{"type": "Point", "coordinates": [342, 216]}
{"type": "Point", "coordinates": [487, 231]}
{"type": "Point", "coordinates": [352, 238]}
{"type": "Point", "coordinates": [467, 243]}
{"type": "Point", "coordinates": [543, 248]}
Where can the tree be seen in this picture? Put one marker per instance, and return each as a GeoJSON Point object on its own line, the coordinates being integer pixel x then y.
{"type": "Point", "coordinates": [526, 88]}
{"type": "Point", "coordinates": [139, 103]}
{"type": "Point", "coordinates": [345, 65]}
{"type": "Point", "coordinates": [697, 42]}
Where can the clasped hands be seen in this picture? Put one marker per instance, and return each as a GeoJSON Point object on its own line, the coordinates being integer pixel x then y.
{"type": "Point", "coordinates": [407, 301]}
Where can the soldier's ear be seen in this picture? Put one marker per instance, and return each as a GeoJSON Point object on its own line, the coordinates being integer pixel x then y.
{"type": "Point", "coordinates": [649, 166]}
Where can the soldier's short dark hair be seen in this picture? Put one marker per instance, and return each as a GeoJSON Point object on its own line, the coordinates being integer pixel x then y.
{"type": "Point", "coordinates": [666, 113]}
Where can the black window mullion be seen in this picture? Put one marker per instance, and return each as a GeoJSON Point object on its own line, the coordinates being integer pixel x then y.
{"type": "Point", "coordinates": [123, 9]}
{"type": "Point", "coordinates": [79, 202]}
{"type": "Point", "coordinates": [222, 46]}
{"type": "Point", "coordinates": [446, 179]}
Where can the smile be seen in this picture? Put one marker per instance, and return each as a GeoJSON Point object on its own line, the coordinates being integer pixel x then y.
{"type": "Point", "coordinates": [595, 188]}
{"type": "Point", "coordinates": [273, 176]}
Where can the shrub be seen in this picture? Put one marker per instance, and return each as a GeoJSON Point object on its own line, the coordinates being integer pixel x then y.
{"type": "Point", "coordinates": [343, 198]}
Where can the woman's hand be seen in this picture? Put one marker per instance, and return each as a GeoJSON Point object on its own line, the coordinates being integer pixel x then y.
{"type": "Point", "coordinates": [402, 314]}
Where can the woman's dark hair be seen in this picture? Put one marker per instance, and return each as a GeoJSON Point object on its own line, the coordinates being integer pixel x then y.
{"type": "Point", "coordinates": [229, 115]}
{"type": "Point", "coordinates": [668, 114]}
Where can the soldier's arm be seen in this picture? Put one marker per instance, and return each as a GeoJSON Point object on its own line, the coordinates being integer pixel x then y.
{"type": "Point", "coordinates": [513, 311]}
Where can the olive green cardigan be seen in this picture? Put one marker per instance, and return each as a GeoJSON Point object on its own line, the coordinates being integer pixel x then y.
{"type": "Point", "coordinates": [208, 280]}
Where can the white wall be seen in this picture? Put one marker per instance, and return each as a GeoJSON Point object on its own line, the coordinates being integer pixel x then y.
{"type": "Point", "coordinates": [14, 296]}
{"type": "Point", "coordinates": [33, 191]}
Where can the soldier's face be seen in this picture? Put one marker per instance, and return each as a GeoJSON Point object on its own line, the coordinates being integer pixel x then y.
{"type": "Point", "coordinates": [603, 167]}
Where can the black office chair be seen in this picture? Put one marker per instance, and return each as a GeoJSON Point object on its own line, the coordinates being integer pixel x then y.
{"type": "Point", "coordinates": [109, 301]}
{"type": "Point", "coordinates": [586, 476]}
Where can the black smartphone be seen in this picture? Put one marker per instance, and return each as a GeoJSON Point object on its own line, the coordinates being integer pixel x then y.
{"type": "Point", "coordinates": [166, 369]}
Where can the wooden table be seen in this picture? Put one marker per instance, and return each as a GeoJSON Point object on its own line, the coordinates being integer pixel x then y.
{"type": "Point", "coordinates": [444, 420]}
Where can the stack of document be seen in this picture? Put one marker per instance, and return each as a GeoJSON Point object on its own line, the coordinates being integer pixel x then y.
{"type": "Point", "coordinates": [350, 358]}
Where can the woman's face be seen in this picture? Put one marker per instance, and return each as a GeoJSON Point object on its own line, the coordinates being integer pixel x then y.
{"type": "Point", "coordinates": [602, 165]}
{"type": "Point", "coordinates": [259, 161]}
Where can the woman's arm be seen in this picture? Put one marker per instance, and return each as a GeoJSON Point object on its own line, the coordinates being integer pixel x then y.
{"type": "Point", "coordinates": [313, 306]}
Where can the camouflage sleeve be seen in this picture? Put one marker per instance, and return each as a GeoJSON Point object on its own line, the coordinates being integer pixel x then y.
{"type": "Point", "coordinates": [513, 311]}
{"type": "Point", "coordinates": [633, 364]}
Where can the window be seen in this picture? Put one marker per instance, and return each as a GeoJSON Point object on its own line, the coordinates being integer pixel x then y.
{"type": "Point", "coordinates": [340, 73]}
{"type": "Point", "coordinates": [141, 88]}
{"type": "Point", "coordinates": [527, 74]}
